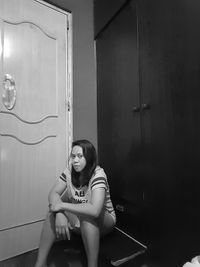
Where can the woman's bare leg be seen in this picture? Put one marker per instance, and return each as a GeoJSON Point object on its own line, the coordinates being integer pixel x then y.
{"type": "Point", "coordinates": [91, 230]}
{"type": "Point", "coordinates": [91, 235]}
{"type": "Point", "coordinates": [46, 240]}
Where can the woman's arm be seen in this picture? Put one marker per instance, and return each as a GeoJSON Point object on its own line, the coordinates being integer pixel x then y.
{"type": "Point", "coordinates": [56, 192]}
{"type": "Point", "coordinates": [92, 209]}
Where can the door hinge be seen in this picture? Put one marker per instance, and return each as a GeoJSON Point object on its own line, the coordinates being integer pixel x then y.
{"type": "Point", "coordinates": [67, 24]}
{"type": "Point", "coordinates": [68, 105]}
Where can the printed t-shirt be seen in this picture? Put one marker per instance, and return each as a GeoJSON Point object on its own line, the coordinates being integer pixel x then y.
{"type": "Point", "coordinates": [83, 194]}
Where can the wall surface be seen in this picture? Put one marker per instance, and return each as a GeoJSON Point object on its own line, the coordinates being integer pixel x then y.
{"type": "Point", "coordinates": [84, 73]}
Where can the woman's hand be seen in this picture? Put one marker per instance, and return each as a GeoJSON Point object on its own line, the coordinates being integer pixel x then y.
{"type": "Point", "coordinates": [56, 207]}
{"type": "Point", "coordinates": [62, 226]}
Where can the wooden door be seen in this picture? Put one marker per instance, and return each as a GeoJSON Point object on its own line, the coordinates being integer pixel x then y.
{"type": "Point", "coordinates": [119, 135]}
{"type": "Point", "coordinates": [169, 59]}
{"type": "Point", "coordinates": [34, 119]}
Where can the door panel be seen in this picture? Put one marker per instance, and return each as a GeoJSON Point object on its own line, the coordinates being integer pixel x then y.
{"type": "Point", "coordinates": [34, 132]}
{"type": "Point", "coordinates": [25, 44]}
{"type": "Point", "coordinates": [119, 135]}
{"type": "Point", "coordinates": [169, 54]}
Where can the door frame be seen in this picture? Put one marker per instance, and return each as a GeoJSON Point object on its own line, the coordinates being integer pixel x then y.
{"type": "Point", "coordinates": [69, 72]}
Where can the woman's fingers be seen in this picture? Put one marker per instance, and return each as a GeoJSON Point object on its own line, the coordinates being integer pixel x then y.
{"type": "Point", "coordinates": [57, 232]}
{"type": "Point", "coordinates": [63, 232]}
{"type": "Point", "coordinates": [67, 232]}
{"type": "Point", "coordinates": [69, 226]}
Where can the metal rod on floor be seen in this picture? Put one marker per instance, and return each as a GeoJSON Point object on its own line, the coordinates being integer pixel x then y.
{"type": "Point", "coordinates": [130, 237]}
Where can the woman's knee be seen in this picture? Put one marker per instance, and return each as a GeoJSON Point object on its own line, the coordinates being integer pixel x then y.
{"type": "Point", "coordinates": [85, 222]}
{"type": "Point", "coordinates": [102, 225]}
{"type": "Point", "coordinates": [89, 226]}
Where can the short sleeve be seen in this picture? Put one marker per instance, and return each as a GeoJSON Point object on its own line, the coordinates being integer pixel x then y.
{"type": "Point", "coordinates": [98, 182]}
{"type": "Point", "coordinates": [65, 175]}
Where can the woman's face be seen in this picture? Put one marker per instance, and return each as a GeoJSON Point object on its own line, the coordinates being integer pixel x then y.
{"type": "Point", "coordinates": [78, 159]}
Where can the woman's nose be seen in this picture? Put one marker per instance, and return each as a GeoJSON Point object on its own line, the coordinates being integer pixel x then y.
{"type": "Point", "coordinates": [76, 159]}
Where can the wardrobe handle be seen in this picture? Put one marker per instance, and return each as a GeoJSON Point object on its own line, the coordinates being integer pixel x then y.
{"type": "Point", "coordinates": [145, 106]}
{"type": "Point", "coordinates": [135, 109]}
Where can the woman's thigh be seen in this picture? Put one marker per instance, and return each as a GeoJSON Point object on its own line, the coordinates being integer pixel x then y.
{"type": "Point", "coordinates": [106, 223]}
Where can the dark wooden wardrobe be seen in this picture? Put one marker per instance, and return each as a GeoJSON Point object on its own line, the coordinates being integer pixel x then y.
{"type": "Point", "coordinates": [148, 96]}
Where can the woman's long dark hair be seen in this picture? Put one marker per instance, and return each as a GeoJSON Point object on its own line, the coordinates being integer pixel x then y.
{"type": "Point", "coordinates": [90, 155]}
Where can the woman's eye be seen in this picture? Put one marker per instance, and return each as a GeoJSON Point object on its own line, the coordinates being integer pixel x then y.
{"type": "Point", "coordinates": [74, 156]}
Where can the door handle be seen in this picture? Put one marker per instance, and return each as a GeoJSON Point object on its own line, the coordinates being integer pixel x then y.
{"type": "Point", "coordinates": [145, 106]}
{"type": "Point", "coordinates": [135, 109]}
{"type": "Point", "coordinates": [9, 92]}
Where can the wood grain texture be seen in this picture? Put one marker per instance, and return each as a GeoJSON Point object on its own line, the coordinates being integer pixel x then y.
{"type": "Point", "coordinates": [34, 136]}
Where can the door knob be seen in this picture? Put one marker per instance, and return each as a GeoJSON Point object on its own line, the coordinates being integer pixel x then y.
{"type": "Point", "coordinates": [9, 92]}
{"type": "Point", "coordinates": [136, 109]}
{"type": "Point", "coordinates": [145, 106]}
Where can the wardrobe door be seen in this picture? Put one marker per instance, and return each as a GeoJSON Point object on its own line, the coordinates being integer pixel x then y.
{"type": "Point", "coordinates": [157, 114]}
{"type": "Point", "coordinates": [119, 135]}
{"type": "Point", "coordinates": [169, 62]}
